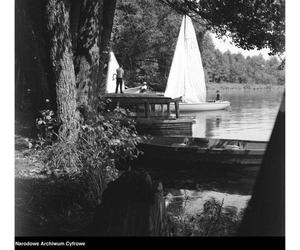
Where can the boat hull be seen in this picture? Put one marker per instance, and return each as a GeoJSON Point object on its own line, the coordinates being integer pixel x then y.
{"type": "Point", "coordinates": [188, 152]}
{"type": "Point", "coordinates": [203, 106]}
{"type": "Point", "coordinates": [135, 90]}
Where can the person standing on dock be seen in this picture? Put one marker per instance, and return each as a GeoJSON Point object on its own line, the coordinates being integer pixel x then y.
{"type": "Point", "coordinates": [120, 74]}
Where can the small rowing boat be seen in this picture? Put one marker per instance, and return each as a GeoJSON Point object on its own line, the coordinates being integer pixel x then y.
{"type": "Point", "coordinates": [187, 151]}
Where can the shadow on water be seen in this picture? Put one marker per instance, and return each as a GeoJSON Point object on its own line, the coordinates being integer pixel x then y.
{"type": "Point", "coordinates": [234, 181]}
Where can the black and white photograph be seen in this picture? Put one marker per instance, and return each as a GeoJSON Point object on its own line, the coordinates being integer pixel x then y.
{"type": "Point", "coordinates": [149, 118]}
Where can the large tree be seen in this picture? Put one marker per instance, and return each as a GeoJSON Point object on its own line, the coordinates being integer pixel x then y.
{"type": "Point", "coordinates": [66, 44]}
{"type": "Point", "coordinates": [61, 56]}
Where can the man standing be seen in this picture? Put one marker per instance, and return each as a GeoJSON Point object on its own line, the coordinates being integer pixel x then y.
{"type": "Point", "coordinates": [120, 74]}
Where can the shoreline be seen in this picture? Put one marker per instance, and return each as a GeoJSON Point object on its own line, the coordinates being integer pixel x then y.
{"type": "Point", "coordinates": [238, 86]}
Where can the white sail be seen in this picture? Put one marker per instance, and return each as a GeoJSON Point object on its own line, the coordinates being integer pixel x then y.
{"type": "Point", "coordinates": [186, 77]}
{"type": "Point", "coordinates": [111, 82]}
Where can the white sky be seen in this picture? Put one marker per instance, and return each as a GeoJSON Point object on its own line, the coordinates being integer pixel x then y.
{"type": "Point", "coordinates": [225, 44]}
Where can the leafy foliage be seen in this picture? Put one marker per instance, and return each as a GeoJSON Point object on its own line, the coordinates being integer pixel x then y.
{"type": "Point", "coordinates": [47, 127]}
{"type": "Point", "coordinates": [144, 38]}
{"type": "Point", "coordinates": [66, 189]}
{"type": "Point", "coordinates": [107, 140]}
{"type": "Point", "coordinates": [250, 24]}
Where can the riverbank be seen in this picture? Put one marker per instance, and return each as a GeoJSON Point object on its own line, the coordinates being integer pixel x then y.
{"type": "Point", "coordinates": [50, 205]}
{"type": "Point", "coordinates": [47, 204]}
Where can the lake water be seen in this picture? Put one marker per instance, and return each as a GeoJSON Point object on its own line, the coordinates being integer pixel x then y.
{"type": "Point", "coordinates": [251, 117]}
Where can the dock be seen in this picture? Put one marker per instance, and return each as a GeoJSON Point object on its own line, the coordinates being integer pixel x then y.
{"type": "Point", "coordinates": [152, 114]}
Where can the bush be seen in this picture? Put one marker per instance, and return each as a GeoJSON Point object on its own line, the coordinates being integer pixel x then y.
{"type": "Point", "coordinates": [106, 143]}
{"type": "Point", "coordinates": [75, 175]}
{"type": "Point", "coordinates": [47, 126]}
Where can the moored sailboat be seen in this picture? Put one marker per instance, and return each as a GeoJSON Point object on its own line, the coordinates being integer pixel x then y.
{"type": "Point", "coordinates": [186, 78]}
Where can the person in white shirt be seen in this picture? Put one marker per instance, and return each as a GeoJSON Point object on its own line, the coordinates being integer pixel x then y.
{"type": "Point", "coordinates": [144, 88]}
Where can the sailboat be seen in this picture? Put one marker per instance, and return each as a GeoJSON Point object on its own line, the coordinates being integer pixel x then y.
{"type": "Point", "coordinates": [186, 78]}
{"type": "Point", "coordinates": [111, 78]}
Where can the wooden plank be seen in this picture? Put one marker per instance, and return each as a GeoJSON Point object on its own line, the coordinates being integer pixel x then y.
{"type": "Point", "coordinates": [139, 101]}
{"type": "Point", "coordinates": [168, 109]}
{"type": "Point", "coordinates": [176, 109]}
{"type": "Point", "coordinates": [126, 95]}
{"type": "Point", "coordinates": [135, 98]}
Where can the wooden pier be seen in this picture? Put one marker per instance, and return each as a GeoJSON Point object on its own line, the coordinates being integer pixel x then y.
{"type": "Point", "coordinates": [144, 105]}
{"type": "Point", "coordinates": [153, 114]}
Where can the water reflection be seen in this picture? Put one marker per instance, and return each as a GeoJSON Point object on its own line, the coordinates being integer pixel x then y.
{"type": "Point", "coordinates": [251, 116]}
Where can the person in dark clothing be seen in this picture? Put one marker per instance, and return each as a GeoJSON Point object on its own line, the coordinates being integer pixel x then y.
{"type": "Point", "coordinates": [120, 74]}
{"type": "Point", "coordinates": [218, 97]}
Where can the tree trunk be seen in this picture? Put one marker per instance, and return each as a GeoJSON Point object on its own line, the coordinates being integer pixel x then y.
{"type": "Point", "coordinates": [109, 7]}
{"type": "Point", "coordinates": [87, 50]}
{"type": "Point", "coordinates": [132, 205]}
{"type": "Point", "coordinates": [61, 57]}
